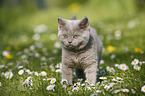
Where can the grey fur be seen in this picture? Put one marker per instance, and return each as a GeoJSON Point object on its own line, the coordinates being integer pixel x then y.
{"type": "Point", "coordinates": [73, 17]}
{"type": "Point", "coordinates": [81, 49]}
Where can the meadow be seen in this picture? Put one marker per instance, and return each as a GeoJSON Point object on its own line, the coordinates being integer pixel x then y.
{"type": "Point", "coordinates": [30, 51]}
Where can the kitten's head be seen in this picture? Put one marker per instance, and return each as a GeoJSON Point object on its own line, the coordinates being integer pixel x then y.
{"type": "Point", "coordinates": [73, 34]}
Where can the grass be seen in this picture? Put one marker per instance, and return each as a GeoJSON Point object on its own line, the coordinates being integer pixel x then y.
{"type": "Point", "coordinates": [107, 17]}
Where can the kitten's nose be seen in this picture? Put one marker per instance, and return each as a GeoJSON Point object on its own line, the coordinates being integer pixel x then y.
{"type": "Point", "coordinates": [69, 41]}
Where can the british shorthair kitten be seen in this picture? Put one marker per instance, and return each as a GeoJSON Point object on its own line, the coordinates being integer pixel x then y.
{"type": "Point", "coordinates": [81, 49]}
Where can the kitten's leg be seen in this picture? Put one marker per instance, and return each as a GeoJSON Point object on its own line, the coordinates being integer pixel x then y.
{"type": "Point", "coordinates": [91, 72]}
{"type": "Point", "coordinates": [67, 73]}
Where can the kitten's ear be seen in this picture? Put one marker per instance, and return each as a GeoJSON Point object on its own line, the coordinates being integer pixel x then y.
{"type": "Point", "coordinates": [61, 22]}
{"type": "Point", "coordinates": [73, 17]}
{"type": "Point", "coordinates": [84, 23]}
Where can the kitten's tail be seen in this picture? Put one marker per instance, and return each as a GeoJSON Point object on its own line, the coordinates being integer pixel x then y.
{"type": "Point", "coordinates": [73, 17]}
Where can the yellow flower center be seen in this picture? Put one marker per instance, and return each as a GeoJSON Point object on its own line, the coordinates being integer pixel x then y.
{"type": "Point", "coordinates": [136, 67]}
{"type": "Point", "coordinates": [9, 57]}
{"type": "Point", "coordinates": [50, 87]}
{"type": "Point", "coordinates": [123, 66]}
{"type": "Point", "coordinates": [52, 80]}
{"type": "Point", "coordinates": [8, 75]}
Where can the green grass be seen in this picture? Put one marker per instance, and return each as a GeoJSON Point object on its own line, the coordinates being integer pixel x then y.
{"type": "Point", "coordinates": [17, 31]}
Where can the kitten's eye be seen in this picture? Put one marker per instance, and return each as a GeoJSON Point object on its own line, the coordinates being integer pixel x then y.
{"type": "Point", "coordinates": [65, 36]}
{"type": "Point", "coordinates": [75, 36]}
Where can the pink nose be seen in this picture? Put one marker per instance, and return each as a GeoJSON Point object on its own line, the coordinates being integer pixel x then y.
{"type": "Point", "coordinates": [69, 42]}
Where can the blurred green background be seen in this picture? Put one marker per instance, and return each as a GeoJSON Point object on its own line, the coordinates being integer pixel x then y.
{"type": "Point", "coordinates": [20, 18]}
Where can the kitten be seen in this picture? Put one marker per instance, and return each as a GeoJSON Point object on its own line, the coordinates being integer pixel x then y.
{"type": "Point", "coordinates": [81, 49]}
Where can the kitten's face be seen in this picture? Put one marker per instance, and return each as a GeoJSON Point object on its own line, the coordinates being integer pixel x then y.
{"type": "Point", "coordinates": [73, 34]}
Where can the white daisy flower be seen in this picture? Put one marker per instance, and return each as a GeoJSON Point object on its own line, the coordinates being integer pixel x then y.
{"type": "Point", "coordinates": [125, 90]}
{"type": "Point", "coordinates": [20, 67]}
{"type": "Point", "coordinates": [83, 84]}
{"type": "Point", "coordinates": [28, 79]}
{"type": "Point", "coordinates": [88, 88]}
{"type": "Point", "coordinates": [28, 71]}
{"type": "Point", "coordinates": [102, 77]}
{"type": "Point", "coordinates": [108, 68]}
{"type": "Point", "coordinates": [43, 73]}
{"type": "Point", "coordinates": [8, 75]}
{"type": "Point", "coordinates": [50, 87]}
{"type": "Point", "coordinates": [123, 67]}
{"type": "Point", "coordinates": [136, 67]}
{"type": "Point", "coordinates": [53, 80]}
{"type": "Point", "coordinates": [135, 62]}
{"type": "Point", "coordinates": [58, 65]}
{"type": "Point", "coordinates": [21, 72]}
{"type": "Point", "coordinates": [116, 91]}
{"type": "Point", "coordinates": [117, 65]}
{"type": "Point", "coordinates": [143, 88]}
{"type": "Point", "coordinates": [102, 62]}
{"type": "Point", "coordinates": [112, 56]}
{"type": "Point", "coordinates": [107, 87]}
{"type": "Point", "coordinates": [58, 70]}
{"type": "Point", "coordinates": [2, 66]}
{"type": "Point", "coordinates": [112, 70]}
{"type": "Point", "coordinates": [98, 91]}
{"type": "Point", "coordinates": [64, 81]}
{"type": "Point", "coordinates": [57, 45]}
{"type": "Point", "coordinates": [114, 79]}
{"type": "Point", "coordinates": [5, 53]}
{"type": "Point", "coordinates": [118, 78]}
{"type": "Point", "coordinates": [133, 91]}
{"type": "Point", "coordinates": [36, 73]}
{"type": "Point", "coordinates": [75, 89]}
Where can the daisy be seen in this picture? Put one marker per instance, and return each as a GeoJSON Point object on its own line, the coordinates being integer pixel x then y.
{"type": "Point", "coordinates": [28, 71]}
{"type": "Point", "coordinates": [88, 88]}
{"type": "Point", "coordinates": [116, 91]}
{"type": "Point", "coordinates": [21, 72]}
{"type": "Point", "coordinates": [108, 68]}
{"type": "Point", "coordinates": [43, 73]}
{"type": "Point", "coordinates": [36, 73]}
{"type": "Point", "coordinates": [136, 67]}
{"type": "Point", "coordinates": [143, 88]}
{"type": "Point", "coordinates": [102, 77]}
{"type": "Point", "coordinates": [117, 65]}
{"type": "Point", "coordinates": [53, 80]}
{"type": "Point", "coordinates": [112, 56]}
{"type": "Point", "coordinates": [5, 53]}
{"type": "Point", "coordinates": [118, 78]}
{"type": "Point", "coordinates": [58, 65]}
{"type": "Point", "coordinates": [123, 67]}
{"type": "Point", "coordinates": [58, 70]}
{"type": "Point", "coordinates": [20, 67]}
{"type": "Point", "coordinates": [9, 74]}
{"type": "Point", "coordinates": [2, 66]}
{"type": "Point", "coordinates": [112, 70]}
{"type": "Point", "coordinates": [50, 87]}
{"type": "Point", "coordinates": [75, 89]}
{"type": "Point", "coordinates": [125, 90]}
{"type": "Point", "coordinates": [98, 91]}
{"type": "Point", "coordinates": [135, 62]}
{"type": "Point", "coordinates": [132, 90]}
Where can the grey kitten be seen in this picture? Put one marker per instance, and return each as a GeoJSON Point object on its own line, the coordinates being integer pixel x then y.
{"type": "Point", "coordinates": [81, 49]}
